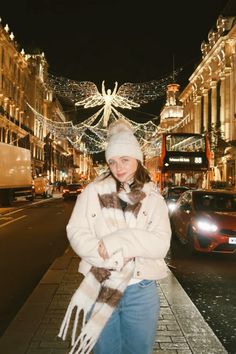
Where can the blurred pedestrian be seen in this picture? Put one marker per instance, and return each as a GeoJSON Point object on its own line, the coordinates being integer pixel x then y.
{"type": "Point", "coordinates": [58, 183]}
{"type": "Point", "coordinates": [120, 228]}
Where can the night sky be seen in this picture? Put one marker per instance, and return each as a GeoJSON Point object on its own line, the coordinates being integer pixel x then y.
{"type": "Point", "coordinates": [116, 40]}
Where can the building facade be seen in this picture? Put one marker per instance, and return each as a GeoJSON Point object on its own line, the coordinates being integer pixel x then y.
{"type": "Point", "coordinates": [23, 81]}
{"type": "Point", "coordinates": [209, 100]}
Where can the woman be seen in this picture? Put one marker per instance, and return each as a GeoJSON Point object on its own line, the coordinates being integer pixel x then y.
{"type": "Point", "coordinates": [120, 229]}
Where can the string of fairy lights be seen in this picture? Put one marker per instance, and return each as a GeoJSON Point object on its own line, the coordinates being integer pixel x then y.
{"type": "Point", "coordinates": [90, 135]}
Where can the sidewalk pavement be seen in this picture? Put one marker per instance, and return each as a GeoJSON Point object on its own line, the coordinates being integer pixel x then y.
{"type": "Point", "coordinates": [181, 330]}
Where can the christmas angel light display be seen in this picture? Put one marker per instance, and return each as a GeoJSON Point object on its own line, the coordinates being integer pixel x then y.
{"type": "Point", "coordinates": [127, 96]}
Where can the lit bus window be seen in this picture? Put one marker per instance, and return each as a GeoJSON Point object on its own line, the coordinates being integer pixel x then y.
{"type": "Point", "coordinates": [193, 143]}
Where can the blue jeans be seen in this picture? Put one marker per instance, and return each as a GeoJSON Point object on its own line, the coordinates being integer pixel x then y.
{"type": "Point", "coordinates": [133, 324]}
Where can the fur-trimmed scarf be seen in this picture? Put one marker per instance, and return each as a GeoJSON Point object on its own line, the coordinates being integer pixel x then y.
{"type": "Point", "coordinates": [101, 290]}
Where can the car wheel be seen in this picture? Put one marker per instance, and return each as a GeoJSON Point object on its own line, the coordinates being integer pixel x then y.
{"type": "Point", "coordinates": [190, 243]}
{"type": "Point", "coordinates": [177, 236]}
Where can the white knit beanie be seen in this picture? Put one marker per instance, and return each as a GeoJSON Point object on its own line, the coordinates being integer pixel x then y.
{"type": "Point", "coordinates": [122, 142]}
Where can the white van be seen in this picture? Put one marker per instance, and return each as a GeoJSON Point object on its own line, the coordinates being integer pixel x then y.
{"type": "Point", "coordinates": [42, 188]}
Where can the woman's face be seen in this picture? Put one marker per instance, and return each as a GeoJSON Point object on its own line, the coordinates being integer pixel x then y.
{"type": "Point", "coordinates": [123, 168]}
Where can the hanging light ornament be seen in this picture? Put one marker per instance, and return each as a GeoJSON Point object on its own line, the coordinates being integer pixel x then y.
{"type": "Point", "coordinates": [91, 133]}
{"type": "Point", "coordinates": [127, 96]}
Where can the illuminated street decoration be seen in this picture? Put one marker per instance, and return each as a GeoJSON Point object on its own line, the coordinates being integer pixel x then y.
{"type": "Point", "coordinates": [127, 96]}
{"type": "Point", "coordinates": [109, 100]}
{"type": "Point", "coordinates": [90, 135]}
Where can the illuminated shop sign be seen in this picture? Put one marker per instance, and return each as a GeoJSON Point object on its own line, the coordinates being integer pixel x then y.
{"type": "Point", "coordinates": [187, 160]}
{"type": "Point", "coordinates": [179, 159]}
{"type": "Point", "coordinates": [181, 162]}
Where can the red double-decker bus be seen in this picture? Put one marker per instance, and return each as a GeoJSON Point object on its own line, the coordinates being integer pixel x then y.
{"type": "Point", "coordinates": [181, 154]}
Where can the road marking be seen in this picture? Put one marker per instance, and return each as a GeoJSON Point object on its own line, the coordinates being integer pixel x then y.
{"type": "Point", "coordinates": [6, 218]}
{"type": "Point", "coordinates": [14, 211]}
{"type": "Point", "coordinates": [9, 222]}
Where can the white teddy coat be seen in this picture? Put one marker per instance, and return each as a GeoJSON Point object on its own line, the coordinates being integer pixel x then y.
{"type": "Point", "coordinates": [148, 242]}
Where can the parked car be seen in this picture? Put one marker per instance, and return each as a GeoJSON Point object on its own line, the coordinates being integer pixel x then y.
{"type": "Point", "coordinates": [172, 194]}
{"type": "Point", "coordinates": [205, 220]}
{"type": "Point", "coordinates": [70, 191]}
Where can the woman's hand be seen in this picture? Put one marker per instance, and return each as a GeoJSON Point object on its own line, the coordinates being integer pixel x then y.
{"type": "Point", "coordinates": [102, 250]}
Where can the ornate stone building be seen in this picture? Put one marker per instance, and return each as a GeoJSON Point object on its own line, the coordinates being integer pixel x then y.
{"type": "Point", "coordinates": [209, 100]}
{"type": "Point", "coordinates": [23, 79]}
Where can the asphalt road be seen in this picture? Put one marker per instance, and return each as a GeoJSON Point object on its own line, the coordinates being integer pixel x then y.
{"type": "Point", "coordinates": [31, 238]}
{"type": "Point", "coordinates": [210, 282]}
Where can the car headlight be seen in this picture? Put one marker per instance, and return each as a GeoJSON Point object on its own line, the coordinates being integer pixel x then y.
{"type": "Point", "coordinates": [171, 206]}
{"type": "Point", "coordinates": [207, 226]}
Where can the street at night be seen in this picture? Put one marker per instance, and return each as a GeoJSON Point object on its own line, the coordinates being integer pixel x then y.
{"type": "Point", "coordinates": [31, 237]}
{"type": "Point", "coordinates": [27, 252]}
{"type": "Point", "coordinates": [209, 280]}
{"type": "Point", "coordinates": [130, 109]}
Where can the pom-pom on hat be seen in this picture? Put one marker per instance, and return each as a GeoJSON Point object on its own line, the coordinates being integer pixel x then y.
{"type": "Point", "coordinates": [122, 142]}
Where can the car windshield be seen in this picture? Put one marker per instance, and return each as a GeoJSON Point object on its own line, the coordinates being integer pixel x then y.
{"type": "Point", "coordinates": [74, 186]}
{"type": "Point", "coordinates": [175, 193]}
{"type": "Point", "coordinates": [215, 202]}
